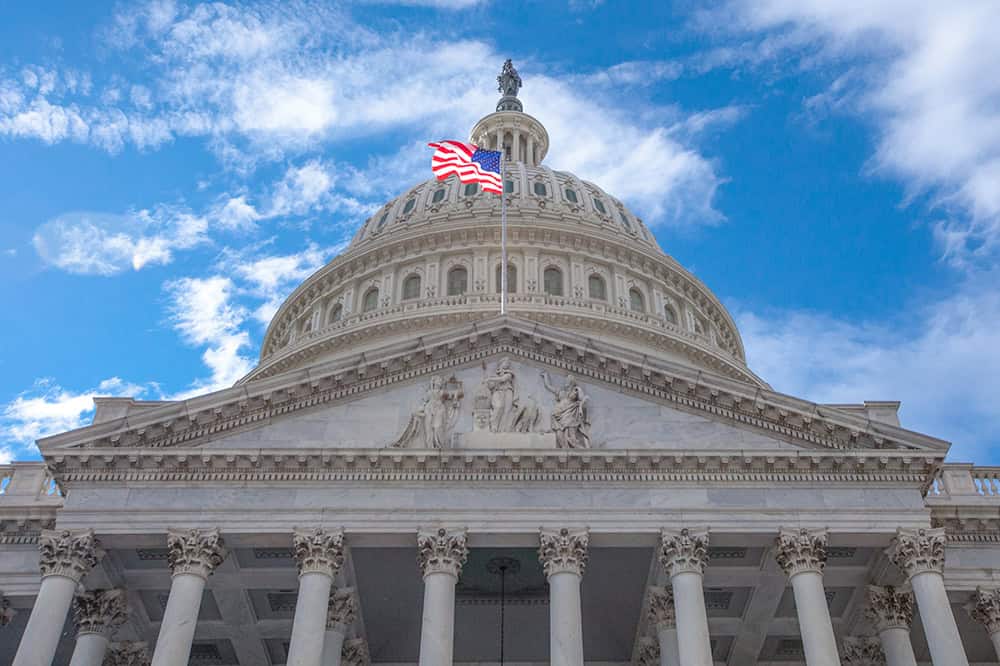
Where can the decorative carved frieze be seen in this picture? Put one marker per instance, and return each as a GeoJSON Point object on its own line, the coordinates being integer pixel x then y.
{"type": "Point", "coordinates": [684, 551]}
{"type": "Point", "coordinates": [6, 612]}
{"type": "Point", "coordinates": [863, 651]}
{"type": "Point", "coordinates": [917, 551]}
{"type": "Point", "coordinates": [801, 550]}
{"type": "Point", "coordinates": [661, 607]}
{"type": "Point", "coordinates": [127, 653]}
{"type": "Point", "coordinates": [563, 551]}
{"type": "Point", "coordinates": [647, 652]}
{"type": "Point", "coordinates": [318, 550]}
{"type": "Point", "coordinates": [355, 652]}
{"type": "Point", "coordinates": [889, 607]}
{"type": "Point", "coordinates": [343, 608]}
{"type": "Point", "coordinates": [69, 553]}
{"type": "Point", "coordinates": [99, 611]}
{"type": "Point", "coordinates": [195, 552]}
{"type": "Point", "coordinates": [441, 551]}
{"type": "Point", "coordinates": [984, 608]}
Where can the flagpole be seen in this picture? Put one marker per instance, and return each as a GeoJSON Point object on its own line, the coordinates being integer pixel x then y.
{"type": "Point", "coordinates": [503, 240]}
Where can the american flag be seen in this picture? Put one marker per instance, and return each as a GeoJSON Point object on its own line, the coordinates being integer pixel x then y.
{"type": "Point", "coordinates": [469, 163]}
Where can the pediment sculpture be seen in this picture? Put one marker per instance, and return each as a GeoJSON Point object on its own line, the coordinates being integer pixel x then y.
{"type": "Point", "coordinates": [430, 424]}
{"type": "Point", "coordinates": [570, 414]}
{"type": "Point", "coordinates": [499, 407]}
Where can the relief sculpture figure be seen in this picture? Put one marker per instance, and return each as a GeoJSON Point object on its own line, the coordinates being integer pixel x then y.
{"type": "Point", "coordinates": [509, 412]}
{"type": "Point", "coordinates": [432, 422]}
{"type": "Point", "coordinates": [570, 415]}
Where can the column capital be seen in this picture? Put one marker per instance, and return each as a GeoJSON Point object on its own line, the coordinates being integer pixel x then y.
{"type": "Point", "coordinates": [343, 609]}
{"type": "Point", "coordinates": [917, 551]}
{"type": "Point", "coordinates": [563, 550]}
{"type": "Point", "coordinates": [889, 607]}
{"type": "Point", "coordinates": [442, 551]}
{"type": "Point", "coordinates": [195, 552]}
{"type": "Point", "coordinates": [127, 653]}
{"type": "Point", "coordinates": [355, 653]}
{"type": "Point", "coordinates": [661, 607]}
{"type": "Point", "coordinates": [318, 550]}
{"type": "Point", "coordinates": [863, 651]}
{"type": "Point", "coordinates": [801, 550]}
{"type": "Point", "coordinates": [648, 652]}
{"type": "Point", "coordinates": [684, 550]}
{"type": "Point", "coordinates": [99, 611]}
{"type": "Point", "coordinates": [984, 607]}
{"type": "Point", "coordinates": [69, 553]}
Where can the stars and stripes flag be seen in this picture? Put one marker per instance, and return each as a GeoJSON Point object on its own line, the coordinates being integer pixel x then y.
{"type": "Point", "coordinates": [470, 163]}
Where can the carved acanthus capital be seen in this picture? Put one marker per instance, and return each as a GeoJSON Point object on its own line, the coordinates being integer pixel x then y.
{"type": "Point", "coordinates": [69, 553]}
{"type": "Point", "coordinates": [889, 607]}
{"type": "Point", "coordinates": [127, 653]}
{"type": "Point", "coordinates": [343, 609]}
{"type": "Point", "coordinates": [661, 607]}
{"type": "Point", "coordinates": [6, 612]}
{"type": "Point", "coordinates": [801, 550]}
{"type": "Point", "coordinates": [863, 651]}
{"type": "Point", "coordinates": [647, 652]}
{"type": "Point", "coordinates": [563, 551]}
{"type": "Point", "coordinates": [355, 653]}
{"type": "Point", "coordinates": [684, 551]}
{"type": "Point", "coordinates": [984, 607]}
{"type": "Point", "coordinates": [195, 552]}
{"type": "Point", "coordinates": [99, 611]}
{"type": "Point", "coordinates": [441, 551]}
{"type": "Point", "coordinates": [319, 551]}
{"type": "Point", "coordinates": [918, 551]}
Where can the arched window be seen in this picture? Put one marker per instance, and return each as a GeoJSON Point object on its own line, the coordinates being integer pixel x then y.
{"type": "Point", "coordinates": [370, 301]}
{"type": "Point", "coordinates": [552, 281]}
{"type": "Point", "coordinates": [336, 312]}
{"type": "Point", "coordinates": [599, 206]}
{"type": "Point", "coordinates": [472, 189]}
{"type": "Point", "coordinates": [597, 288]}
{"type": "Point", "coordinates": [540, 189]}
{"type": "Point", "coordinates": [511, 279]}
{"type": "Point", "coordinates": [381, 222]}
{"type": "Point", "coordinates": [438, 196]}
{"type": "Point", "coordinates": [635, 302]}
{"type": "Point", "coordinates": [670, 313]}
{"type": "Point", "coordinates": [411, 287]}
{"type": "Point", "coordinates": [571, 196]}
{"type": "Point", "coordinates": [458, 281]}
{"type": "Point", "coordinates": [508, 186]}
{"type": "Point", "coordinates": [628, 225]}
{"type": "Point", "coordinates": [409, 206]}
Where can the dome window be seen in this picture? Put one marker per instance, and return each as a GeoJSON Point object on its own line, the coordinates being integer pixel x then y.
{"type": "Point", "coordinates": [409, 206]}
{"type": "Point", "coordinates": [597, 288]}
{"type": "Point", "coordinates": [628, 225]}
{"type": "Point", "coordinates": [508, 186]}
{"type": "Point", "coordinates": [599, 207]}
{"type": "Point", "coordinates": [552, 281]}
{"type": "Point", "coordinates": [381, 222]}
{"type": "Point", "coordinates": [670, 314]}
{"type": "Point", "coordinates": [571, 196]}
{"type": "Point", "coordinates": [511, 279]}
{"type": "Point", "coordinates": [635, 300]}
{"type": "Point", "coordinates": [370, 302]}
{"type": "Point", "coordinates": [438, 196]}
{"type": "Point", "coordinates": [472, 189]}
{"type": "Point", "coordinates": [458, 281]}
{"type": "Point", "coordinates": [336, 312]}
{"type": "Point", "coordinates": [540, 189]}
{"type": "Point", "coordinates": [411, 287]}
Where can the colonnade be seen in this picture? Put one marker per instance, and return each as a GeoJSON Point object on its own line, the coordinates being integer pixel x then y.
{"type": "Point", "coordinates": [323, 613]}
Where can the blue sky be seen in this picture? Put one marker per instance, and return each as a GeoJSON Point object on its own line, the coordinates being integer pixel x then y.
{"type": "Point", "coordinates": [830, 168]}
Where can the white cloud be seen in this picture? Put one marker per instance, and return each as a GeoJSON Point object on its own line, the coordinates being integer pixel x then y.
{"type": "Point", "coordinates": [236, 214]}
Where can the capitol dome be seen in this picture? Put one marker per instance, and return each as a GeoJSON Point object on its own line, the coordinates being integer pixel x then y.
{"type": "Point", "coordinates": [578, 259]}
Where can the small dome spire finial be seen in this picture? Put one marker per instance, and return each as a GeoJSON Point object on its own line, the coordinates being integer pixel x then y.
{"type": "Point", "coordinates": [508, 84]}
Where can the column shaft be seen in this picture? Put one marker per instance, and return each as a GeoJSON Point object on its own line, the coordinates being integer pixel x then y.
{"type": "Point", "coordinates": [437, 631]}
{"type": "Point", "coordinates": [565, 619]}
{"type": "Point", "coordinates": [897, 647]}
{"type": "Point", "coordinates": [815, 625]}
{"type": "Point", "coordinates": [309, 625]}
{"type": "Point", "coordinates": [45, 625]}
{"type": "Point", "coordinates": [333, 646]}
{"type": "Point", "coordinates": [693, 644]}
{"type": "Point", "coordinates": [943, 639]}
{"type": "Point", "coordinates": [173, 645]}
{"type": "Point", "coordinates": [89, 650]}
{"type": "Point", "coordinates": [669, 653]}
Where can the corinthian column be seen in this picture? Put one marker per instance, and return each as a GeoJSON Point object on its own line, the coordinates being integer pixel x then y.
{"type": "Point", "coordinates": [891, 611]}
{"type": "Point", "coordinates": [684, 555]}
{"type": "Point", "coordinates": [96, 615]}
{"type": "Point", "coordinates": [64, 558]}
{"type": "Point", "coordinates": [920, 555]}
{"type": "Point", "coordinates": [863, 651]}
{"type": "Point", "coordinates": [563, 555]}
{"type": "Point", "coordinates": [802, 555]}
{"type": "Point", "coordinates": [664, 620]}
{"type": "Point", "coordinates": [985, 609]}
{"type": "Point", "coordinates": [441, 554]}
{"type": "Point", "coordinates": [356, 652]}
{"type": "Point", "coordinates": [192, 556]}
{"type": "Point", "coordinates": [340, 616]}
{"type": "Point", "coordinates": [127, 653]}
{"type": "Point", "coordinates": [320, 554]}
{"type": "Point", "coordinates": [648, 652]}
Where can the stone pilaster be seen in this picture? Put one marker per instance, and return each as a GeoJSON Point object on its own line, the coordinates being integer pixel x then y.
{"type": "Point", "coordinates": [684, 551]}
{"type": "Point", "coordinates": [661, 608]}
{"type": "Point", "coordinates": [563, 551]}
{"type": "Point", "coordinates": [863, 651]}
{"type": "Point", "coordinates": [801, 550]}
{"type": "Point", "coordinates": [441, 551]}
{"type": "Point", "coordinates": [647, 652]}
{"type": "Point", "coordinates": [99, 611]}
{"type": "Point", "coordinates": [356, 652]}
{"type": "Point", "coordinates": [127, 653]}
{"type": "Point", "coordinates": [68, 553]}
{"type": "Point", "coordinates": [318, 550]}
{"type": "Point", "coordinates": [917, 551]}
{"type": "Point", "coordinates": [194, 552]}
{"type": "Point", "coordinates": [984, 608]}
{"type": "Point", "coordinates": [889, 607]}
{"type": "Point", "coordinates": [343, 609]}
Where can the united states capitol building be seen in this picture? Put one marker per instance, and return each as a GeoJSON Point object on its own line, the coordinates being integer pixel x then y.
{"type": "Point", "coordinates": [409, 477]}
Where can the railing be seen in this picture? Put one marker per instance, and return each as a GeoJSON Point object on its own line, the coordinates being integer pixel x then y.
{"type": "Point", "coordinates": [962, 481]}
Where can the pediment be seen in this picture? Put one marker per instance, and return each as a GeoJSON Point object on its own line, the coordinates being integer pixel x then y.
{"type": "Point", "coordinates": [634, 403]}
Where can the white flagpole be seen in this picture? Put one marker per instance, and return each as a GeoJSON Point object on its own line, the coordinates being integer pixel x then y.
{"type": "Point", "coordinates": [503, 239]}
